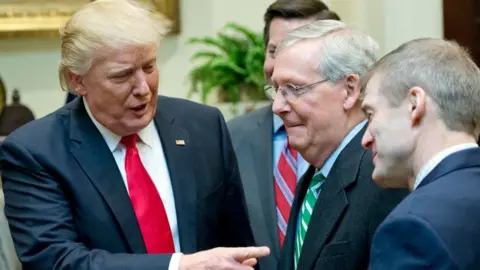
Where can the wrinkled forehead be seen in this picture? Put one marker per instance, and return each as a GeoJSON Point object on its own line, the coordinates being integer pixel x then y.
{"type": "Point", "coordinates": [129, 54]}
{"type": "Point", "coordinates": [299, 61]}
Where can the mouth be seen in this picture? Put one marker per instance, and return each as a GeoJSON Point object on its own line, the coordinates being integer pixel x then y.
{"type": "Point", "coordinates": [374, 157]}
{"type": "Point", "coordinates": [287, 125]}
{"type": "Point", "coordinates": [139, 108]}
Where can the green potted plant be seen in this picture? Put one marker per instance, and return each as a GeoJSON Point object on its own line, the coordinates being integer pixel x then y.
{"type": "Point", "coordinates": [232, 65]}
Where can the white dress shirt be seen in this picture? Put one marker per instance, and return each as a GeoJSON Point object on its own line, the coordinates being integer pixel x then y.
{"type": "Point", "coordinates": [433, 162]}
{"type": "Point", "coordinates": [153, 159]}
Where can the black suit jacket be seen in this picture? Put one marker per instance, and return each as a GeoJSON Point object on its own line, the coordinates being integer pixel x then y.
{"type": "Point", "coordinates": [68, 207]}
{"type": "Point", "coordinates": [345, 217]}
{"type": "Point", "coordinates": [252, 138]}
{"type": "Point", "coordinates": [437, 226]}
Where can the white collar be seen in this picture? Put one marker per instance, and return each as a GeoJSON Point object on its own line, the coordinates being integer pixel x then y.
{"type": "Point", "coordinates": [433, 162]}
{"type": "Point", "coordinates": [113, 139]}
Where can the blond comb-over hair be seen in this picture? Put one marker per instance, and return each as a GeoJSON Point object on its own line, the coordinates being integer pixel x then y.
{"type": "Point", "coordinates": [106, 25]}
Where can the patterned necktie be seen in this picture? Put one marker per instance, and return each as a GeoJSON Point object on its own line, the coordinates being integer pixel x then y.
{"type": "Point", "coordinates": [306, 212]}
{"type": "Point", "coordinates": [146, 201]}
{"type": "Point", "coordinates": [285, 177]}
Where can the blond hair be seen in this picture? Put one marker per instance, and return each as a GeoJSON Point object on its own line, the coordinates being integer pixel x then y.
{"type": "Point", "coordinates": [106, 25]}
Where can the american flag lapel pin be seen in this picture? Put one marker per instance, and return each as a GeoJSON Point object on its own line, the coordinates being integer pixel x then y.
{"type": "Point", "coordinates": [180, 142]}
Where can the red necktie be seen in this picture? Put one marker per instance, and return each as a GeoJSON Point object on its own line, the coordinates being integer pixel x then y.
{"type": "Point", "coordinates": [146, 201]}
{"type": "Point", "coordinates": [285, 177]}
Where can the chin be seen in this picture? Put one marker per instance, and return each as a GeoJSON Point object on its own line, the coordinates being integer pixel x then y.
{"type": "Point", "coordinates": [380, 180]}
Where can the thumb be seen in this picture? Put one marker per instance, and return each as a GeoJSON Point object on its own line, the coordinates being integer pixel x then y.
{"type": "Point", "coordinates": [242, 254]}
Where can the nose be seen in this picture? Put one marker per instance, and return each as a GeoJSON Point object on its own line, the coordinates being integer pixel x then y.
{"type": "Point", "coordinates": [141, 86]}
{"type": "Point", "coordinates": [280, 104]}
{"type": "Point", "coordinates": [367, 139]}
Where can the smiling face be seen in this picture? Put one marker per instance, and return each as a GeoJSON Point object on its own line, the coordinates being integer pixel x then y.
{"type": "Point", "coordinates": [315, 121]}
{"type": "Point", "coordinates": [389, 135]}
{"type": "Point", "coordinates": [121, 88]}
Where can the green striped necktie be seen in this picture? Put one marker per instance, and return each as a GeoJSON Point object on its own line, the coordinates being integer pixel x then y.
{"type": "Point", "coordinates": [306, 213]}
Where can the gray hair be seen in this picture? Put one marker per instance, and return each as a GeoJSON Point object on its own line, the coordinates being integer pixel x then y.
{"type": "Point", "coordinates": [345, 50]}
{"type": "Point", "coordinates": [104, 25]}
{"type": "Point", "coordinates": [444, 70]}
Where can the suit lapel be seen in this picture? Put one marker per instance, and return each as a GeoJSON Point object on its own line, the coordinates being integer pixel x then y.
{"type": "Point", "coordinates": [262, 150]}
{"type": "Point", "coordinates": [456, 161]}
{"type": "Point", "coordinates": [93, 155]}
{"type": "Point", "coordinates": [332, 201]}
{"type": "Point", "coordinates": [179, 157]}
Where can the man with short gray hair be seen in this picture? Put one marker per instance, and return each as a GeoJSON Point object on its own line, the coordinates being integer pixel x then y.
{"type": "Point", "coordinates": [316, 92]}
{"type": "Point", "coordinates": [422, 100]}
{"type": "Point", "coordinates": [121, 178]}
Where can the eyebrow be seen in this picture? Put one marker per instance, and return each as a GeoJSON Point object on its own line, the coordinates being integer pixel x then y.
{"type": "Point", "coordinates": [129, 67]}
{"type": "Point", "coordinates": [119, 70]}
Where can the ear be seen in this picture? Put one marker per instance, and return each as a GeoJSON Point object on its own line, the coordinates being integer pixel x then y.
{"type": "Point", "coordinates": [76, 83]}
{"type": "Point", "coordinates": [352, 87]}
{"type": "Point", "coordinates": [417, 102]}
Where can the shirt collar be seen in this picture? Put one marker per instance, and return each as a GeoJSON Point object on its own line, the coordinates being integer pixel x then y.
{"type": "Point", "coordinates": [327, 166]}
{"type": "Point", "coordinates": [433, 162]}
{"type": "Point", "coordinates": [277, 123]}
{"type": "Point", "coordinates": [113, 139]}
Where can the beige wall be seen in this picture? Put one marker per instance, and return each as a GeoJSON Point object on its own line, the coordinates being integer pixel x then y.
{"type": "Point", "coordinates": [31, 65]}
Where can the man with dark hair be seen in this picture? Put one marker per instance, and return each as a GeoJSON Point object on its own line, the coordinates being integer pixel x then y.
{"type": "Point", "coordinates": [260, 140]}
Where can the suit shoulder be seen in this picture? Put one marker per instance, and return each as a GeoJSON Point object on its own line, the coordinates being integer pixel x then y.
{"type": "Point", "coordinates": [42, 130]}
{"type": "Point", "coordinates": [244, 121]}
{"type": "Point", "coordinates": [185, 108]}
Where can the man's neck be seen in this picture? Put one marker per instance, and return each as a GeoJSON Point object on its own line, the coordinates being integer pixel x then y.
{"type": "Point", "coordinates": [431, 144]}
{"type": "Point", "coordinates": [321, 158]}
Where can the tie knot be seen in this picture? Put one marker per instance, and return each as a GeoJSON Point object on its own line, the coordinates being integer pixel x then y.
{"type": "Point", "coordinates": [130, 141]}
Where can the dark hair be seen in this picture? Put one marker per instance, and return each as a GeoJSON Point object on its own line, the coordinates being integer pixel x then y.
{"type": "Point", "coordinates": [296, 9]}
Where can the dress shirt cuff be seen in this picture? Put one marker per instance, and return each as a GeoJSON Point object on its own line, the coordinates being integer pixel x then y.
{"type": "Point", "coordinates": [175, 261]}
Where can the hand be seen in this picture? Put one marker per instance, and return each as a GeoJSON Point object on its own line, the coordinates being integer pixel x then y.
{"type": "Point", "coordinates": [224, 258]}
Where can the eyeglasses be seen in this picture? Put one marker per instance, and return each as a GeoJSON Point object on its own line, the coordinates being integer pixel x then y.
{"type": "Point", "coordinates": [289, 91]}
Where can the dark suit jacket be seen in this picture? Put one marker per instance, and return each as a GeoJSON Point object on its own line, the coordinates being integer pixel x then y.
{"type": "Point", "coordinates": [252, 138]}
{"type": "Point", "coordinates": [345, 217]}
{"type": "Point", "coordinates": [68, 207]}
{"type": "Point", "coordinates": [438, 225]}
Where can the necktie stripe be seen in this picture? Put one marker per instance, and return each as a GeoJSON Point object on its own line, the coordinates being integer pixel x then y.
{"type": "Point", "coordinates": [285, 181]}
{"type": "Point", "coordinates": [305, 216]}
{"type": "Point", "coordinates": [282, 205]}
{"type": "Point", "coordinates": [284, 188]}
{"type": "Point", "coordinates": [288, 172]}
{"type": "Point", "coordinates": [282, 224]}
{"type": "Point", "coordinates": [292, 161]}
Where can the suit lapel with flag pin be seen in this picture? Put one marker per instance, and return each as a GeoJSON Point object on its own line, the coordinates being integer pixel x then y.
{"type": "Point", "coordinates": [180, 142]}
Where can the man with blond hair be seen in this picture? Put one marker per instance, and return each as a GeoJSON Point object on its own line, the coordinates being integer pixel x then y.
{"type": "Point", "coordinates": [316, 92]}
{"type": "Point", "coordinates": [120, 178]}
{"type": "Point", "coordinates": [422, 101]}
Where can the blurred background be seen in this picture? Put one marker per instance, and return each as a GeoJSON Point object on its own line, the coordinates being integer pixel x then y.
{"type": "Point", "coordinates": [29, 63]}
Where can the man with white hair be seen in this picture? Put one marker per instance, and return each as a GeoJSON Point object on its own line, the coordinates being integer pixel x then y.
{"type": "Point", "coordinates": [337, 206]}
{"type": "Point", "coordinates": [422, 101]}
{"type": "Point", "coordinates": [120, 178]}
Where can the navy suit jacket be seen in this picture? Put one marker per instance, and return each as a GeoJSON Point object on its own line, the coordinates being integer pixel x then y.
{"type": "Point", "coordinates": [68, 207]}
{"type": "Point", "coordinates": [438, 225]}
